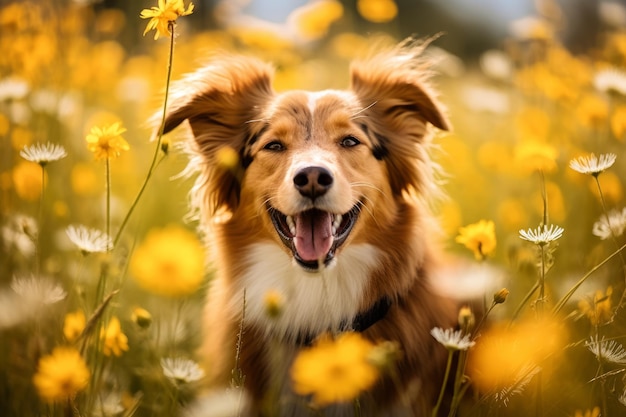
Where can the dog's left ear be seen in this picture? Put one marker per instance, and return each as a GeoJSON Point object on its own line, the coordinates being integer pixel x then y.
{"type": "Point", "coordinates": [398, 104]}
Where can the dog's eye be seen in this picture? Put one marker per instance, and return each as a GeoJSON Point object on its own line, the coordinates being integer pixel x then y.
{"type": "Point", "coordinates": [349, 141]}
{"type": "Point", "coordinates": [275, 146]}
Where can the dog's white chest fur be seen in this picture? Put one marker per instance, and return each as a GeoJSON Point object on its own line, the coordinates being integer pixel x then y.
{"type": "Point", "coordinates": [312, 302]}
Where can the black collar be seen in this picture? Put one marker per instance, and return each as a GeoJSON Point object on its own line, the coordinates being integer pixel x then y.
{"type": "Point", "coordinates": [363, 321]}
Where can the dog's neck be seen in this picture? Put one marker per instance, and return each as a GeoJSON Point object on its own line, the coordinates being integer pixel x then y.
{"type": "Point", "coordinates": [361, 322]}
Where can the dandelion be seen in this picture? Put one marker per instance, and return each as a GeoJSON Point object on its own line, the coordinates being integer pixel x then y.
{"type": "Point", "coordinates": [542, 235]}
{"type": "Point", "coordinates": [114, 341]}
{"type": "Point", "coordinates": [613, 224]}
{"type": "Point", "coordinates": [106, 142]}
{"type": "Point", "coordinates": [452, 339]}
{"type": "Point", "coordinates": [61, 375]}
{"type": "Point", "coordinates": [607, 350]}
{"type": "Point", "coordinates": [89, 240]}
{"type": "Point", "coordinates": [478, 237]}
{"type": "Point", "coordinates": [170, 262]}
{"type": "Point", "coordinates": [43, 153]}
{"type": "Point", "coordinates": [334, 370]}
{"type": "Point", "coordinates": [591, 164]}
{"type": "Point", "coordinates": [598, 310]}
{"type": "Point", "coordinates": [377, 11]}
{"type": "Point", "coordinates": [73, 325]}
{"type": "Point", "coordinates": [38, 290]}
{"type": "Point", "coordinates": [535, 155]}
{"type": "Point", "coordinates": [181, 371]}
{"type": "Point", "coordinates": [164, 15]}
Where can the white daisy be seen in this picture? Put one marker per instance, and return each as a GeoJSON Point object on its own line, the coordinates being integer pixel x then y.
{"type": "Point", "coordinates": [40, 290]}
{"type": "Point", "coordinates": [615, 222]}
{"type": "Point", "coordinates": [542, 235]}
{"type": "Point", "coordinates": [607, 350]}
{"type": "Point", "coordinates": [43, 153]}
{"type": "Point", "coordinates": [610, 80]}
{"type": "Point", "coordinates": [452, 339]}
{"type": "Point", "coordinates": [89, 240]}
{"type": "Point", "coordinates": [592, 164]}
{"type": "Point", "coordinates": [181, 371]}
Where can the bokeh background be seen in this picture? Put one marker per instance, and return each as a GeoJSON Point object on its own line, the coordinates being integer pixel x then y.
{"type": "Point", "coordinates": [528, 86]}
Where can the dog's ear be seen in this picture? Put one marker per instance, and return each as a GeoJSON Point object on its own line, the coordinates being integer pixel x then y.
{"type": "Point", "coordinates": [220, 101]}
{"type": "Point", "coordinates": [398, 105]}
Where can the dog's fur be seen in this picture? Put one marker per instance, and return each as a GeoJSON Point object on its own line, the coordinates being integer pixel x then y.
{"type": "Point", "coordinates": [361, 153]}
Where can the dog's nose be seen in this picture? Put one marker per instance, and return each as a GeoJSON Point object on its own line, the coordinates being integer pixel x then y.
{"type": "Point", "coordinates": [313, 181]}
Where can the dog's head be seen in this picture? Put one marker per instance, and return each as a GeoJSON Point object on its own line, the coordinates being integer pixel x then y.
{"type": "Point", "coordinates": [314, 170]}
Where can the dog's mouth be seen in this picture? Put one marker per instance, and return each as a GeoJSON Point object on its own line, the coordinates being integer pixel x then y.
{"type": "Point", "coordinates": [313, 236]}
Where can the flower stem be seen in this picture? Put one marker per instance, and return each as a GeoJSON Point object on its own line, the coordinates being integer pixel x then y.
{"type": "Point", "coordinates": [155, 160]}
{"type": "Point", "coordinates": [443, 384]}
{"type": "Point", "coordinates": [107, 174]}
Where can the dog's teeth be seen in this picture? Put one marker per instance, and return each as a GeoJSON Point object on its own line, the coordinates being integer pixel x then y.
{"type": "Point", "coordinates": [336, 223]}
{"type": "Point", "coordinates": [292, 225]}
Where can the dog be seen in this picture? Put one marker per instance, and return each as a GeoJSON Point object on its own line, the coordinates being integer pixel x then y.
{"type": "Point", "coordinates": [321, 197]}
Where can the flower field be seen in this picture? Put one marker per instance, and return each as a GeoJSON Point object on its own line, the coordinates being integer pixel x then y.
{"type": "Point", "coordinates": [103, 273]}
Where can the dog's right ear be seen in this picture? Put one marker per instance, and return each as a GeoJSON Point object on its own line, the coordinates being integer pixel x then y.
{"type": "Point", "coordinates": [219, 101]}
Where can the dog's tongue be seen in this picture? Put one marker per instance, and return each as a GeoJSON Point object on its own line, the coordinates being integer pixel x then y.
{"type": "Point", "coordinates": [314, 235]}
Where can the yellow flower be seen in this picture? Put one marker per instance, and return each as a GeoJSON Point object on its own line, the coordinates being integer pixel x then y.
{"type": "Point", "coordinates": [592, 111]}
{"type": "Point", "coordinates": [106, 142]}
{"type": "Point", "coordinates": [170, 262]}
{"type": "Point", "coordinates": [478, 237]}
{"type": "Point", "coordinates": [334, 370]}
{"type": "Point", "coordinates": [74, 325]}
{"type": "Point", "coordinates": [598, 310]}
{"type": "Point", "coordinates": [273, 301]}
{"type": "Point", "coordinates": [312, 20]}
{"type": "Point", "coordinates": [377, 11]}
{"type": "Point", "coordinates": [27, 180]}
{"type": "Point", "coordinates": [534, 155]}
{"type": "Point", "coordinates": [141, 317]}
{"type": "Point", "coordinates": [61, 375]}
{"type": "Point", "coordinates": [165, 13]}
{"type": "Point", "coordinates": [114, 341]}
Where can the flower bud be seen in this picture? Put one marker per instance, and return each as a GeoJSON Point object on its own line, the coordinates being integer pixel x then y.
{"type": "Point", "coordinates": [499, 297]}
{"type": "Point", "coordinates": [141, 317]}
{"type": "Point", "coordinates": [466, 318]}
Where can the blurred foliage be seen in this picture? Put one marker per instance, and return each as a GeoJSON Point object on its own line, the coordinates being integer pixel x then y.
{"type": "Point", "coordinates": [522, 106]}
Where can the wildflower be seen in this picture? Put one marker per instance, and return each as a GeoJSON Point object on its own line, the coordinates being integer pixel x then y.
{"type": "Point", "coordinates": [607, 350]}
{"type": "Point", "coordinates": [273, 301]}
{"type": "Point", "coordinates": [89, 240]}
{"type": "Point", "coordinates": [43, 153]}
{"type": "Point", "coordinates": [612, 224]}
{"type": "Point", "coordinates": [181, 371]}
{"type": "Point", "coordinates": [170, 261]}
{"type": "Point", "coordinates": [313, 20]}
{"type": "Point", "coordinates": [385, 354]}
{"type": "Point", "coordinates": [27, 180]}
{"type": "Point", "coordinates": [610, 80]}
{"type": "Point", "coordinates": [106, 142]}
{"type": "Point", "coordinates": [163, 15]}
{"type": "Point", "coordinates": [542, 235]}
{"type": "Point", "coordinates": [141, 317]}
{"type": "Point", "coordinates": [598, 310]}
{"type": "Point", "coordinates": [591, 164]}
{"type": "Point", "coordinates": [20, 233]}
{"type": "Point", "coordinates": [500, 296]}
{"type": "Point", "coordinates": [114, 341]}
{"type": "Point", "coordinates": [334, 370]}
{"type": "Point", "coordinates": [535, 155]}
{"type": "Point", "coordinates": [74, 325]}
{"type": "Point", "coordinates": [377, 11]}
{"type": "Point", "coordinates": [452, 339]}
{"type": "Point", "coordinates": [38, 290]}
{"type": "Point", "coordinates": [595, 412]}
{"type": "Point", "coordinates": [466, 318]}
{"type": "Point", "coordinates": [478, 237]}
{"type": "Point", "coordinates": [592, 111]}
{"type": "Point", "coordinates": [61, 375]}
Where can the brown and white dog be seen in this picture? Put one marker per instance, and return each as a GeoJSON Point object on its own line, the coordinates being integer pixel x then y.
{"type": "Point", "coordinates": [326, 205]}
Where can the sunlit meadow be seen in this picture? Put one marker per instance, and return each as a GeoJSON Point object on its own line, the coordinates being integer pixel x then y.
{"type": "Point", "coordinates": [102, 272]}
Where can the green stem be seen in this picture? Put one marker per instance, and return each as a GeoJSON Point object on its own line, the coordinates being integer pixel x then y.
{"type": "Point", "coordinates": [40, 222]}
{"type": "Point", "coordinates": [444, 383]}
{"type": "Point", "coordinates": [542, 279]}
{"type": "Point", "coordinates": [580, 282]}
{"type": "Point", "coordinates": [155, 160]}
{"type": "Point", "coordinates": [107, 168]}
{"type": "Point", "coordinates": [530, 293]}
